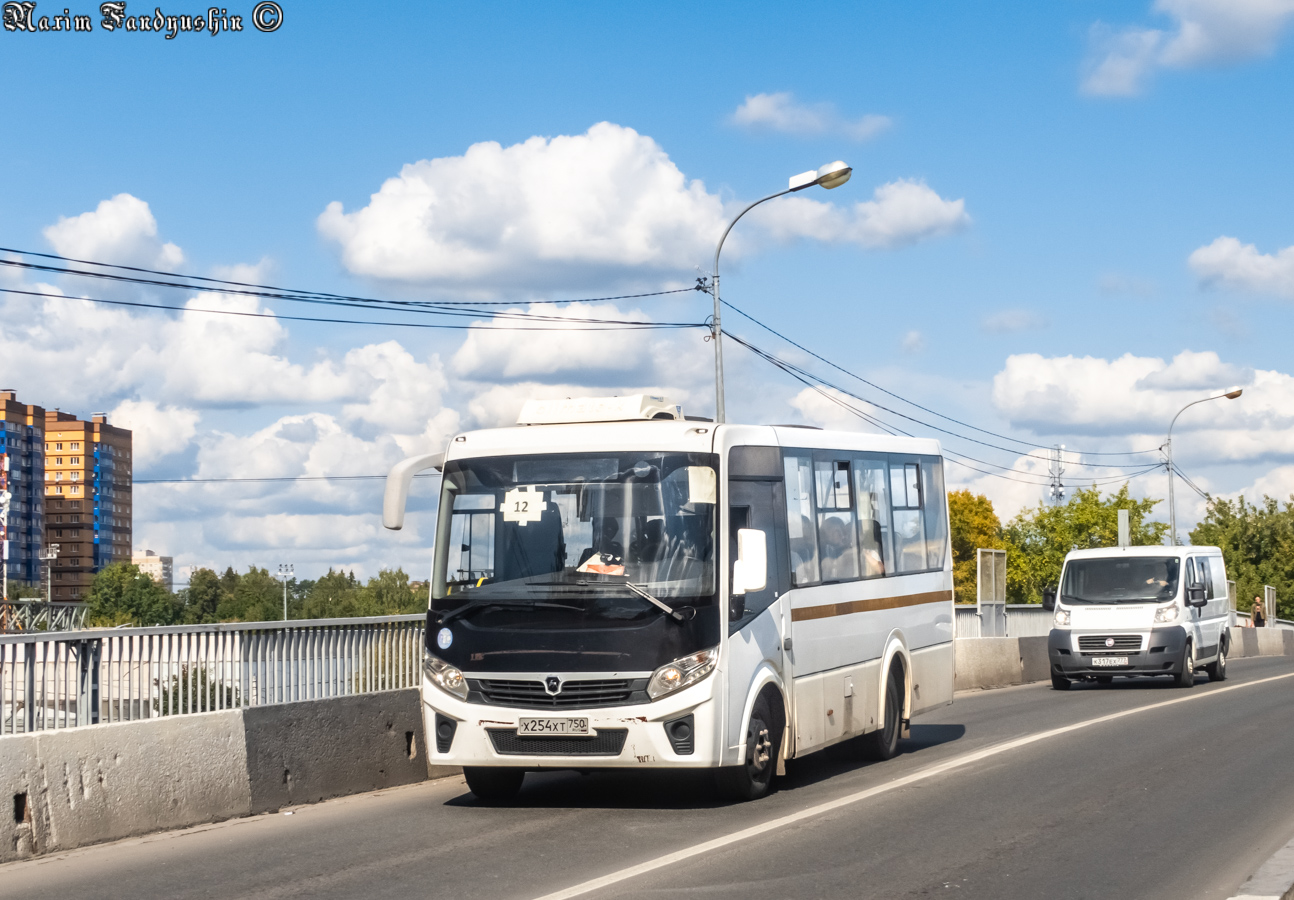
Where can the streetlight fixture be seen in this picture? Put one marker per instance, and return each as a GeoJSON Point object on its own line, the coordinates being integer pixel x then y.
{"type": "Point", "coordinates": [832, 175]}
{"type": "Point", "coordinates": [286, 571]}
{"type": "Point", "coordinates": [1168, 450]}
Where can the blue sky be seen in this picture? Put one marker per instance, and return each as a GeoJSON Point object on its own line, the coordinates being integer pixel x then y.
{"type": "Point", "coordinates": [1094, 148]}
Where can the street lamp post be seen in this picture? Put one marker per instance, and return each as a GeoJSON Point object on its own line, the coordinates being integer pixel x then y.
{"type": "Point", "coordinates": [1168, 451]}
{"type": "Point", "coordinates": [286, 571]}
{"type": "Point", "coordinates": [832, 175]}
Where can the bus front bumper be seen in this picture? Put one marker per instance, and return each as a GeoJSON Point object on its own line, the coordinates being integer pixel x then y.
{"type": "Point", "coordinates": [635, 736]}
{"type": "Point", "coordinates": [1161, 654]}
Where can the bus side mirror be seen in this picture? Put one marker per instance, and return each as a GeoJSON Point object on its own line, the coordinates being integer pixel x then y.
{"type": "Point", "coordinates": [1049, 599]}
{"type": "Point", "coordinates": [750, 571]}
{"type": "Point", "coordinates": [397, 486]}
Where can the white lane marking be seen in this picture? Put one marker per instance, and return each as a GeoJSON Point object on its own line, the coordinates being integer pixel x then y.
{"type": "Point", "coordinates": [811, 812]}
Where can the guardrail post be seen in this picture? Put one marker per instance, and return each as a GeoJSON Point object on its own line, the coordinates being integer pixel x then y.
{"type": "Point", "coordinates": [29, 689]}
{"type": "Point", "coordinates": [87, 693]}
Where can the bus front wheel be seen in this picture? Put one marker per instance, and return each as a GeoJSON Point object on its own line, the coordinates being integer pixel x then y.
{"type": "Point", "coordinates": [751, 779]}
{"type": "Point", "coordinates": [493, 783]}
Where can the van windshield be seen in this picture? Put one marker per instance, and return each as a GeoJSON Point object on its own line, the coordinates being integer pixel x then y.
{"type": "Point", "coordinates": [1142, 579]}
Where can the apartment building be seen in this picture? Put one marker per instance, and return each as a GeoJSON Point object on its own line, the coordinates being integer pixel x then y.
{"type": "Point", "coordinates": [159, 568]}
{"type": "Point", "coordinates": [88, 501]}
{"type": "Point", "coordinates": [22, 435]}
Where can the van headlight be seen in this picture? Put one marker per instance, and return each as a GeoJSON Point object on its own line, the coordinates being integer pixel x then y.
{"type": "Point", "coordinates": [446, 677]}
{"type": "Point", "coordinates": [681, 673]}
{"type": "Point", "coordinates": [1166, 614]}
{"type": "Point", "coordinates": [1061, 619]}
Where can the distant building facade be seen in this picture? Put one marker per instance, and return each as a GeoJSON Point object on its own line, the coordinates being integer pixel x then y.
{"type": "Point", "coordinates": [22, 435]}
{"type": "Point", "coordinates": [88, 499]}
{"type": "Point", "coordinates": [160, 568]}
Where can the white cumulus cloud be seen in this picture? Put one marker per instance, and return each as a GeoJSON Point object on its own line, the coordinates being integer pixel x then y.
{"type": "Point", "coordinates": [157, 431]}
{"type": "Point", "coordinates": [554, 212]}
{"type": "Point", "coordinates": [1202, 32]}
{"type": "Point", "coordinates": [900, 213]}
{"type": "Point", "coordinates": [121, 230]}
{"type": "Point", "coordinates": [1228, 262]}
{"type": "Point", "coordinates": [782, 113]}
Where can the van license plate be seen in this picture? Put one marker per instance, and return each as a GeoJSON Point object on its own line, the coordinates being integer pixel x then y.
{"type": "Point", "coordinates": [554, 727]}
{"type": "Point", "coordinates": [1110, 661]}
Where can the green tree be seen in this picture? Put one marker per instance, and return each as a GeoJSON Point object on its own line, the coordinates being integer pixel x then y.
{"type": "Point", "coordinates": [200, 600]}
{"type": "Point", "coordinates": [334, 596]}
{"type": "Point", "coordinates": [1037, 539]}
{"type": "Point", "coordinates": [122, 595]}
{"type": "Point", "coordinates": [1257, 542]}
{"type": "Point", "coordinates": [256, 596]}
{"type": "Point", "coordinates": [973, 524]}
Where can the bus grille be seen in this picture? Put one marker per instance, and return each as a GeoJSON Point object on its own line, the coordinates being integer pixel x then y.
{"type": "Point", "coordinates": [607, 742]}
{"type": "Point", "coordinates": [531, 694]}
{"type": "Point", "coordinates": [1096, 643]}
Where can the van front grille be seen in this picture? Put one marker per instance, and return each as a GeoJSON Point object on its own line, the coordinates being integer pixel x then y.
{"type": "Point", "coordinates": [1101, 643]}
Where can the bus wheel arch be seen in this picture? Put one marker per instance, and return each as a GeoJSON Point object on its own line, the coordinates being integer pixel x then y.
{"type": "Point", "coordinates": [896, 654]}
{"type": "Point", "coordinates": [761, 750]}
{"type": "Point", "coordinates": [767, 684]}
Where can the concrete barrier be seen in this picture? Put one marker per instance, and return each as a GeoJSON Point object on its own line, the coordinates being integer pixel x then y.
{"type": "Point", "coordinates": [106, 782]}
{"type": "Point", "coordinates": [1261, 642]}
{"type": "Point", "coordinates": [87, 785]}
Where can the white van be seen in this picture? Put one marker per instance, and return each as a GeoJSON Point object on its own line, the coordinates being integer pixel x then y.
{"type": "Point", "coordinates": [1133, 611]}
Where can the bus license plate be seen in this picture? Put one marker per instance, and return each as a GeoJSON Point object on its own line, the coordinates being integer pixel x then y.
{"type": "Point", "coordinates": [555, 727]}
{"type": "Point", "coordinates": [1110, 661]}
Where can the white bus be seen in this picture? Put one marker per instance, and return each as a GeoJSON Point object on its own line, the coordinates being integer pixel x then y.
{"type": "Point", "coordinates": [617, 586]}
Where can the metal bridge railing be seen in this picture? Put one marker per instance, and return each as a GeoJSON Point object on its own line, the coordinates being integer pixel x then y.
{"type": "Point", "coordinates": [1022, 620]}
{"type": "Point", "coordinates": [54, 680]}
{"type": "Point", "coordinates": [18, 616]}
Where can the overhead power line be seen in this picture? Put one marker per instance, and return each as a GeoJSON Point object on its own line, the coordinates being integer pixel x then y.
{"type": "Point", "coordinates": [913, 403]}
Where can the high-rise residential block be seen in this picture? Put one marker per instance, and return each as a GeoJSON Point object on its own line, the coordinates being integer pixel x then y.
{"type": "Point", "coordinates": [22, 436]}
{"type": "Point", "coordinates": [88, 505]}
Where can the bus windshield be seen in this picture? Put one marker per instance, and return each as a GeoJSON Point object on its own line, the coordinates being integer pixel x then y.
{"type": "Point", "coordinates": [575, 534]}
{"type": "Point", "coordinates": [1137, 579]}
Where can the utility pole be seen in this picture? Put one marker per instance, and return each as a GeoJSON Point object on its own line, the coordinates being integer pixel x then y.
{"type": "Point", "coordinates": [48, 557]}
{"type": "Point", "coordinates": [1055, 469]}
{"type": "Point", "coordinates": [286, 571]}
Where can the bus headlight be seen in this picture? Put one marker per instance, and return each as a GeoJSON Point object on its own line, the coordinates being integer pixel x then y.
{"type": "Point", "coordinates": [681, 673]}
{"type": "Point", "coordinates": [1166, 614]}
{"type": "Point", "coordinates": [1061, 619]}
{"type": "Point", "coordinates": [444, 676]}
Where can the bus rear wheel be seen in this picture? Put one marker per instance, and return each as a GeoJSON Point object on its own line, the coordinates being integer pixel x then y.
{"type": "Point", "coordinates": [883, 743]}
{"type": "Point", "coordinates": [493, 783]}
{"type": "Point", "coordinates": [751, 779]}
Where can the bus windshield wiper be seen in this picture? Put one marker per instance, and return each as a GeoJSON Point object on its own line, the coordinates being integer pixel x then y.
{"type": "Point", "coordinates": [483, 603]}
{"type": "Point", "coordinates": [682, 614]}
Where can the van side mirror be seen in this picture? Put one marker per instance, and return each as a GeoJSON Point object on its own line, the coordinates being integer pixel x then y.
{"type": "Point", "coordinates": [1195, 595]}
{"type": "Point", "coordinates": [750, 571]}
{"type": "Point", "coordinates": [1049, 598]}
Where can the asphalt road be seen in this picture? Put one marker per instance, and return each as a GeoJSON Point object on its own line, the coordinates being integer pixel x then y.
{"type": "Point", "coordinates": [1015, 793]}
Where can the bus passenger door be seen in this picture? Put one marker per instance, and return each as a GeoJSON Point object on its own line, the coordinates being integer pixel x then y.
{"type": "Point", "coordinates": [759, 505]}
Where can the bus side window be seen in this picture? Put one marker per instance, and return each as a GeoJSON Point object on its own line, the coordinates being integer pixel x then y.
{"type": "Point", "coordinates": [837, 534]}
{"type": "Point", "coordinates": [909, 527]}
{"type": "Point", "coordinates": [932, 476]}
{"type": "Point", "coordinates": [799, 519]}
{"type": "Point", "coordinates": [872, 490]}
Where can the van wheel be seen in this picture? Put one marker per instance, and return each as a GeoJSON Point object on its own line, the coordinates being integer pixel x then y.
{"type": "Point", "coordinates": [1218, 668]}
{"type": "Point", "coordinates": [1060, 682]}
{"type": "Point", "coordinates": [1186, 677]}
{"type": "Point", "coordinates": [751, 780]}
{"type": "Point", "coordinates": [883, 743]}
{"type": "Point", "coordinates": [493, 783]}
{"type": "Point", "coordinates": [1105, 679]}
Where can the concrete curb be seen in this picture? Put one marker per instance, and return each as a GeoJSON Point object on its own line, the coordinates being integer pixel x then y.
{"type": "Point", "coordinates": [1274, 880]}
